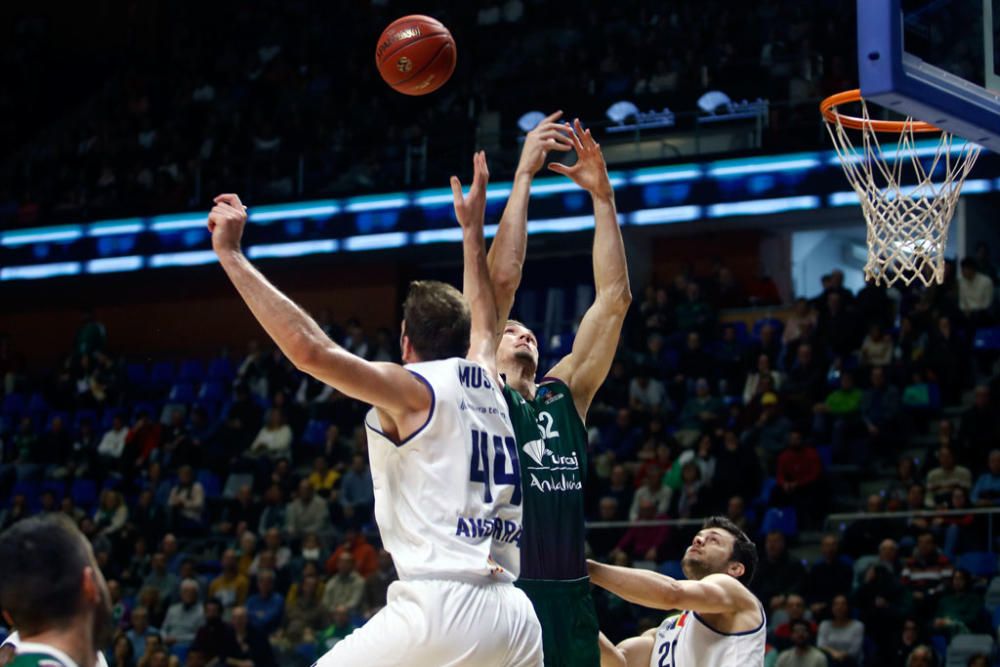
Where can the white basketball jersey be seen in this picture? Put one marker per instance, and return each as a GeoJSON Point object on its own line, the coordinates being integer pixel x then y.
{"type": "Point", "coordinates": [448, 498]}
{"type": "Point", "coordinates": [686, 639]}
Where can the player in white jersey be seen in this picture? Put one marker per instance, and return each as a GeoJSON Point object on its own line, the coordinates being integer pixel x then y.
{"type": "Point", "coordinates": [8, 649]}
{"type": "Point", "coordinates": [443, 458]}
{"type": "Point", "coordinates": [720, 622]}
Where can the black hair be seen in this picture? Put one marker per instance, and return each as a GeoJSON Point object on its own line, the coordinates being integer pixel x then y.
{"type": "Point", "coordinates": [744, 550]}
{"type": "Point", "coordinates": [970, 263]}
{"type": "Point", "coordinates": [42, 560]}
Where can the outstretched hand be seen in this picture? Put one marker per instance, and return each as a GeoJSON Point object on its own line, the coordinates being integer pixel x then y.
{"type": "Point", "coordinates": [590, 172]}
{"type": "Point", "coordinates": [471, 209]}
{"type": "Point", "coordinates": [548, 135]}
{"type": "Point", "coordinates": [226, 222]}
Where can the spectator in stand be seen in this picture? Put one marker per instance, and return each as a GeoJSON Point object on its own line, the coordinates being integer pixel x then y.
{"type": "Point", "coordinates": [345, 588]}
{"type": "Point", "coordinates": [896, 654]}
{"type": "Point", "coordinates": [377, 585]}
{"type": "Point", "coordinates": [112, 446]}
{"type": "Point", "coordinates": [944, 479]}
{"type": "Point", "coordinates": [215, 638]}
{"type": "Point", "coordinates": [694, 313]}
{"type": "Point", "coordinates": [241, 422]}
{"type": "Point", "coordinates": [802, 653]}
{"type": "Point", "coordinates": [801, 320]}
{"type": "Point", "coordinates": [183, 617]}
{"type": "Point", "coordinates": [841, 637]}
{"type": "Point", "coordinates": [252, 649]}
{"type": "Point", "coordinates": [304, 616]}
{"type": "Point", "coordinates": [54, 449]}
{"type": "Point", "coordinates": [643, 543]}
{"type": "Point", "coordinates": [140, 630]}
{"type": "Point", "coordinates": [273, 515]}
{"type": "Point", "coordinates": [838, 418]}
{"type": "Point", "coordinates": [768, 343]}
{"type": "Point", "coordinates": [753, 379]}
{"type": "Point", "coordinates": [621, 437]}
{"type": "Point", "coordinates": [805, 383]}
{"type": "Point", "coordinates": [770, 432]}
{"type": "Point", "coordinates": [187, 504]}
{"type": "Point", "coordinates": [729, 354]}
{"type": "Point", "coordinates": [603, 540]}
{"type": "Point", "coordinates": [880, 406]}
{"type": "Point", "coordinates": [647, 395]}
{"type": "Point", "coordinates": [830, 576]}
{"type": "Point", "coordinates": [799, 476]}
{"type": "Point", "coordinates": [898, 490]}
{"type": "Point", "coordinates": [274, 543]}
{"type": "Point", "coordinates": [960, 610]}
{"type": "Point", "coordinates": [986, 492]}
{"type": "Point", "coordinates": [654, 490]}
{"type": "Point", "coordinates": [122, 653]}
{"type": "Point", "coordinates": [239, 514]}
{"type": "Point", "coordinates": [947, 356]}
{"type": "Point", "coordinates": [265, 607]}
{"type": "Point", "coordinates": [692, 363]}
{"type": "Point", "coordinates": [922, 656]}
{"type": "Point", "coordinates": [357, 496]}
{"type": "Point", "coordinates": [975, 294]}
{"type": "Point", "coordinates": [111, 514]}
{"type": "Point", "coordinates": [794, 611]}
{"type": "Point", "coordinates": [323, 478]}
{"type": "Point", "coordinates": [364, 555]}
{"type": "Point", "coordinates": [926, 573]}
{"type": "Point", "coordinates": [778, 575]}
{"type": "Point", "coordinates": [979, 429]}
{"type": "Point", "coordinates": [837, 326]}
{"type": "Point", "coordinates": [339, 626]}
{"type": "Point", "coordinates": [308, 513]}
{"type": "Point", "coordinates": [230, 587]}
{"type": "Point", "coordinates": [737, 469]}
{"type": "Point", "coordinates": [160, 578]}
{"type": "Point", "coordinates": [700, 414]}
{"type": "Point", "coordinates": [142, 441]}
{"type": "Point", "coordinates": [274, 441]}
{"type": "Point", "coordinates": [876, 349]}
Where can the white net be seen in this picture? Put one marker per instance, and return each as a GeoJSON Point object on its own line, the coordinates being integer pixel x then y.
{"type": "Point", "coordinates": [908, 195]}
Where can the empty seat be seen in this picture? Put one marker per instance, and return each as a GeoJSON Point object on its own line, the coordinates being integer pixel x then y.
{"type": "Point", "coordinates": [963, 647]}
{"type": "Point", "coordinates": [979, 563]}
{"type": "Point", "coordinates": [781, 519]}
{"type": "Point", "coordinates": [191, 370]}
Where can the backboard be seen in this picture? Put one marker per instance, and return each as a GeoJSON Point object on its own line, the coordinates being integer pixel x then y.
{"type": "Point", "coordinates": [935, 60]}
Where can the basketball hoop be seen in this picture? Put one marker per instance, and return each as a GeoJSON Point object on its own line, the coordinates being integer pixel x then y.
{"type": "Point", "coordinates": [906, 211]}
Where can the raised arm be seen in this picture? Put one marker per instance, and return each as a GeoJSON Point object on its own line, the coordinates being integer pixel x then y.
{"type": "Point", "coordinates": [506, 256]}
{"type": "Point", "coordinates": [387, 386]}
{"type": "Point", "coordinates": [476, 286]}
{"type": "Point", "coordinates": [715, 594]}
{"type": "Point", "coordinates": [586, 366]}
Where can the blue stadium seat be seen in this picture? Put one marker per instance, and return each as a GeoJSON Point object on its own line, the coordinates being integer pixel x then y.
{"type": "Point", "coordinates": [781, 519]}
{"type": "Point", "coordinates": [37, 405]}
{"type": "Point", "coordinates": [314, 433]}
{"type": "Point", "coordinates": [85, 415]}
{"type": "Point", "coordinates": [57, 488]}
{"type": "Point", "coordinates": [192, 371]}
{"type": "Point", "coordinates": [108, 417]}
{"type": "Point", "coordinates": [766, 488]}
{"type": "Point", "coordinates": [148, 407]}
{"type": "Point", "coordinates": [13, 405]}
{"type": "Point", "coordinates": [963, 647]}
{"type": "Point", "coordinates": [210, 483]}
{"type": "Point", "coordinates": [987, 339]}
{"type": "Point", "coordinates": [979, 563]}
{"type": "Point", "coordinates": [84, 493]}
{"type": "Point", "coordinates": [672, 568]}
{"type": "Point", "coordinates": [221, 370]}
{"type": "Point", "coordinates": [162, 374]}
{"type": "Point", "coordinates": [825, 455]}
{"type": "Point", "coordinates": [137, 375]}
{"type": "Point", "coordinates": [182, 392]}
{"type": "Point", "coordinates": [213, 390]}
{"type": "Point", "coordinates": [778, 325]}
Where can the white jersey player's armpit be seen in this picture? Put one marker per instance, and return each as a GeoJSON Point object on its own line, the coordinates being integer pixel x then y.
{"type": "Point", "coordinates": [14, 639]}
{"type": "Point", "coordinates": [448, 498]}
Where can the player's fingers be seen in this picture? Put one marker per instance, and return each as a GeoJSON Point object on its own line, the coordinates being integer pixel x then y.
{"type": "Point", "coordinates": [559, 168]}
{"type": "Point", "coordinates": [559, 133]}
{"type": "Point", "coordinates": [552, 117]}
{"type": "Point", "coordinates": [576, 139]}
{"type": "Point", "coordinates": [456, 190]}
{"type": "Point", "coordinates": [231, 199]}
{"type": "Point", "coordinates": [554, 145]}
{"type": "Point", "coordinates": [583, 134]}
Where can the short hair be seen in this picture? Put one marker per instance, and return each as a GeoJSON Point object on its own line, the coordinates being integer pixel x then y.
{"type": "Point", "coordinates": [41, 572]}
{"type": "Point", "coordinates": [744, 550]}
{"type": "Point", "coordinates": [438, 320]}
{"type": "Point", "coordinates": [970, 263]}
{"type": "Point", "coordinates": [800, 621]}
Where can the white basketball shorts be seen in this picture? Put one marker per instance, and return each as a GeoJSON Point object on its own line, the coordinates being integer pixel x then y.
{"type": "Point", "coordinates": [438, 623]}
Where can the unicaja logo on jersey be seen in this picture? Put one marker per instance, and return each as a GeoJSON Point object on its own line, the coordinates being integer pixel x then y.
{"type": "Point", "coordinates": [537, 451]}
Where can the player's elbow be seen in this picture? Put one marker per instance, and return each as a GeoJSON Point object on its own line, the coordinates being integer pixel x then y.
{"type": "Point", "coordinates": [506, 279]}
{"type": "Point", "coordinates": [617, 299]}
{"type": "Point", "coordinates": [304, 352]}
{"type": "Point", "coordinates": [672, 593]}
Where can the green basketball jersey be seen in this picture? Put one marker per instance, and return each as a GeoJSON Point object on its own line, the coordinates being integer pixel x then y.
{"type": "Point", "coordinates": [36, 660]}
{"type": "Point", "coordinates": [552, 448]}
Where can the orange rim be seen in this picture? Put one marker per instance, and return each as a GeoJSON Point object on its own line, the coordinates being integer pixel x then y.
{"type": "Point", "coordinates": [828, 108]}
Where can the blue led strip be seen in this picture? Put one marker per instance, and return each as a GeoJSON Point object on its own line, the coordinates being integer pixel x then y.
{"type": "Point", "coordinates": [61, 234]}
{"type": "Point", "coordinates": [37, 271]}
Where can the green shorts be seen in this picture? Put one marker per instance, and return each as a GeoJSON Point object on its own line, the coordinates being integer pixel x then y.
{"type": "Point", "coordinates": [569, 622]}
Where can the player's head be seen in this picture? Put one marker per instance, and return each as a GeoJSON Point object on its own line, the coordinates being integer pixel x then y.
{"type": "Point", "coordinates": [50, 581]}
{"type": "Point", "coordinates": [436, 322]}
{"type": "Point", "coordinates": [720, 547]}
{"type": "Point", "coordinates": [518, 349]}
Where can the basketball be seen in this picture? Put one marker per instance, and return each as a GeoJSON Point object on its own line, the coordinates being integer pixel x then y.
{"type": "Point", "coordinates": [416, 55]}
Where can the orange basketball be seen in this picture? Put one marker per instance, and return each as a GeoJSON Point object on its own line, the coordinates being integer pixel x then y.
{"type": "Point", "coordinates": [415, 55]}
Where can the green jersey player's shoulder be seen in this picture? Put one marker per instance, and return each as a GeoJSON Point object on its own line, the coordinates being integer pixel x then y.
{"type": "Point", "coordinates": [36, 660]}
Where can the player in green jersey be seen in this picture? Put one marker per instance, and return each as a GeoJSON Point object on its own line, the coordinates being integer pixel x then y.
{"type": "Point", "coordinates": [549, 415]}
{"type": "Point", "coordinates": [53, 592]}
